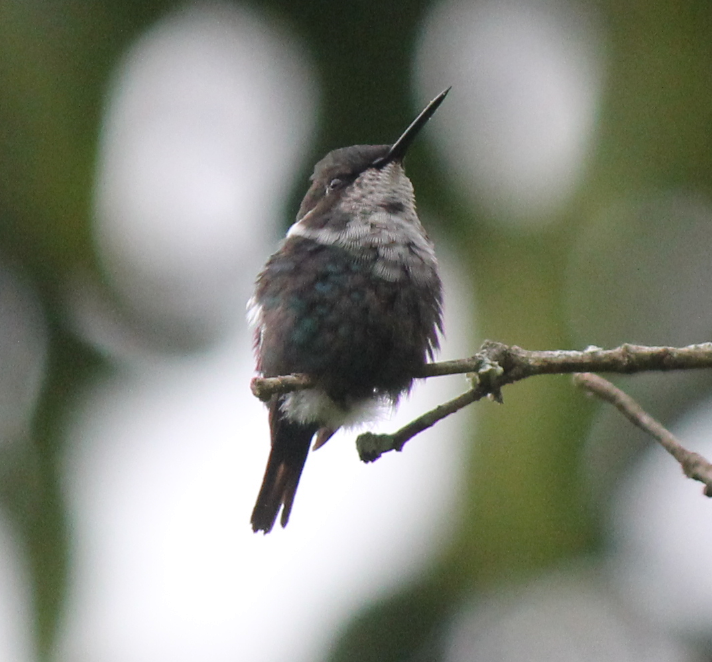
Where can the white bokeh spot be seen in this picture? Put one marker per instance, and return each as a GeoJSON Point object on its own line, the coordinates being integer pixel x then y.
{"type": "Point", "coordinates": [663, 534]}
{"type": "Point", "coordinates": [207, 117]}
{"type": "Point", "coordinates": [526, 80]}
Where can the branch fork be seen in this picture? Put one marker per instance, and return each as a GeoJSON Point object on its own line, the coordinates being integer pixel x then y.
{"type": "Point", "coordinates": [495, 365]}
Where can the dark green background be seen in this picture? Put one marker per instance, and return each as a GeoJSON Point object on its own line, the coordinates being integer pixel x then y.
{"type": "Point", "coordinates": [525, 509]}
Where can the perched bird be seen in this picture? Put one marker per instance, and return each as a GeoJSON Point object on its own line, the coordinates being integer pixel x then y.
{"type": "Point", "coordinates": [352, 298]}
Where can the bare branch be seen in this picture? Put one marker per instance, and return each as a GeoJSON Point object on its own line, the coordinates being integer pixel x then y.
{"type": "Point", "coordinates": [693, 464]}
{"type": "Point", "coordinates": [497, 365]}
{"type": "Point", "coordinates": [371, 446]}
{"type": "Point", "coordinates": [517, 363]}
{"type": "Point", "coordinates": [265, 387]}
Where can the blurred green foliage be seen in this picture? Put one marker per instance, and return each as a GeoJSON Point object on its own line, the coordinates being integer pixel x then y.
{"type": "Point", "coordinates": [524, 509]}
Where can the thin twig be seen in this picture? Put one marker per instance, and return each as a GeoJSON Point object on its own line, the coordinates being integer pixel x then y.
{"type": "Point", "coordinates": [264, 388]}
{"type": "Point", "coordinates": [371, 446]}
{"type": "Point", "coordinates": [517, 364]}
{"type": "Point", "coordinates": [496, 365]}
{"type": "Point", "coordinates": [693, 464]}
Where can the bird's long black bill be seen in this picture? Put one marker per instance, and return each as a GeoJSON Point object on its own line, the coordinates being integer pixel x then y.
{"type": "Point", "coordinates": [400, 147]}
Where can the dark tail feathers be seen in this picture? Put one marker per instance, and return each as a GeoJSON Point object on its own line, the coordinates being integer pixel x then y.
{"type": "Point", "coordinates": [290, 446]}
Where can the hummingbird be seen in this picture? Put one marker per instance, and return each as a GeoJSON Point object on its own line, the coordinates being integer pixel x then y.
{"type": "Point", "coordinates": [352, 298]}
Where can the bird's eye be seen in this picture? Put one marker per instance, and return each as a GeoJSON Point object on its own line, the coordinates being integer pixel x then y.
{"type": "Point", "coordinates": [335, 183]}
